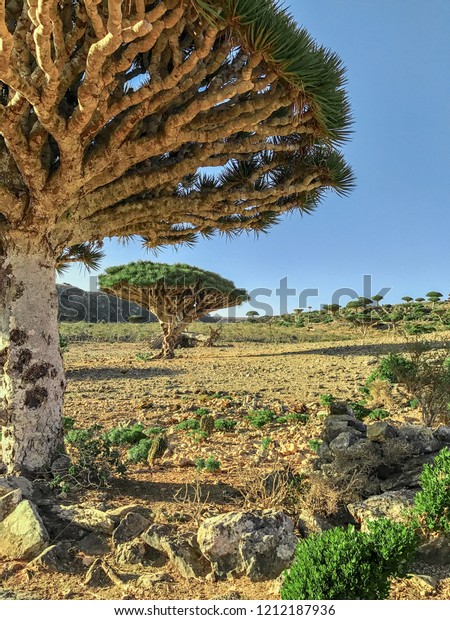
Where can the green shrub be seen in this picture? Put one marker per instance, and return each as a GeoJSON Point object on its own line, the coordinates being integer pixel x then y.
{"type": "Point", "coordinates": [125, 435]}
{"type": "Point", "coordinates": [189, 425]}
{"type": "Point", "coordinates": [63, 342]}
{"type": "Point", "coordinates": [261, 417]}
{"type": "Point", "coordinates": [314, 444]}
{"type": "Point", "coordinates": [359, 409]}
{"type": "Point", "coordinates": [326, 400]}
{"type": "Point", "coordinates": [144, 357]}
{"type": "Point", "coordinates": [139, 452]}
{"type": "Point", "coordinates": [210, 464]}
{"type": "Point", "coordinates": [265, 443]}
{"type": "Point", "coordinates": [201, 411]}
{"type": "Point", "coordinates": [296, 417]}
{"type": "Point", "coordinates": [432, 503]}
{"type": "Point", "coordinates": [93, 460]}
{"type": "Point", "coordinates": [68, 423]}
{"type": "Point", "coordinates": [350, 565]}
{"type": "Point", "coordinates": [225, 425]}
{"type": "Point", "coordinates": [378, 414]}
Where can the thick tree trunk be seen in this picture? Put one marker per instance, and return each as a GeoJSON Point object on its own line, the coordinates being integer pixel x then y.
{"type": "Point", "coordinates": [32, 379]}
{"type": "Point", "coordinates": [171, 333]}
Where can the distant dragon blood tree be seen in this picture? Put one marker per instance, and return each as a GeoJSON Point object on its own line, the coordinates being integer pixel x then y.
{"type": "Point", "coordinates": [177, 294]}
{"type": "Point", "coordinates": [109, 112]}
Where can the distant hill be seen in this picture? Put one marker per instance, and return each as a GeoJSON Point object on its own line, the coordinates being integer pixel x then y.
{"type": "Point", "coordinates": [96, 307]}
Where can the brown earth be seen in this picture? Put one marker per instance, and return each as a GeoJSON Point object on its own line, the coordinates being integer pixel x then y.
{"type": "Point", "coordinates": [108, 385]}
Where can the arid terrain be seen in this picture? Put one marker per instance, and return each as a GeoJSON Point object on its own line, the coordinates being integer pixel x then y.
{"type": "Point", "coordinates": [114, 384]}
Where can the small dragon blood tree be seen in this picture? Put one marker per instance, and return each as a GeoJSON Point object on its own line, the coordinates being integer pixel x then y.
{"type": "Point", "coordinates": [177, 294]}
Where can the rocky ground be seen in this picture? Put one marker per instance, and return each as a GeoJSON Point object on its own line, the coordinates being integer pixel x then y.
{"type": "Point", "coordinates": [113, 384]}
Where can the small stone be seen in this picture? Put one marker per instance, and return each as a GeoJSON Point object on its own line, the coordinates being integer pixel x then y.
{"type": "Point", "coordinates": [87, 518]}
{"type": "Point", "coordinates": [344, 441]}
{"type": "Point", "coordinates": [60, 465]}
{"type": "Point", "coordinates": [435, 551]}
{"type": "Point", "coordinates": [380, 431]}
{"type": "Point", "coordinates": [146, 581]}
{"type": "Point", "coordinates": [138, 552]}
{"type": "Point", "coordinates": [9, 483]}
{"type": "Point", "coordinates": [22, 534]}
{"type": "Point", "coordinates": [426, 580]}
{"type": "Point", "coordinates": [130, 526]}
{"type": "Point", "coordinates": [94, 544]}
{"type": "Point", "coordinates": [9, 502]}
{"type": "Point", "coordinates": [122, 511]}
{"type": "Point", "coordinates": [442, 434]}
{"type": "Point", "coordinates": [56, 558]}
{"type": "Point", "coordinates": [312, 523]}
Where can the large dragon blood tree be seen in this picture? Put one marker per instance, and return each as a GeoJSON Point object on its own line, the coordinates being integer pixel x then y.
{"type": "Point", "coordinates": [176, 294]}
{"type": "Point", "coordinates": [109, 112]}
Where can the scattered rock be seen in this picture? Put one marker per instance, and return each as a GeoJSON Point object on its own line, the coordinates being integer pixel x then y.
{"type": "Point", "coordinates": [392, 505]}
{"type": "Point", "coordinates": [442, 434]}
{"type": "Point", "coordinates": [61, 465]}
{"type": "Point", "coordinates": [259, 544]}
{"type": "Point", "coordinates": [435, 551]}
{"type": "Point", "coordinates": [9, 502]}
{"type": "Point", "coordinates": [337, 424]}
{"type": "Point", "coordinates": [380, 431]}
{"type": "Point", "coordinates": [181, 549]}
{"type": "Point", "coordinates": [344, 441]}
{"type": "Point", "coordinates": [10, 483]}
{"type": "Point", "coordinates": [94, 544]}
{"type": "Point", "coordinates": [146, 581]}
{"type": "Point", "coordinates": [56, 558]}
{"type": "Point", "coordinates": [22, 534]}
{"type": "Point", "coordinates": [421, 438]}
{"type": "Point", "coordinates": [102, 575]}
{"type": "Point", "coordinates": [130, 526]}
{"type": "Point", "coordinates": [426, 580]}
{"type": "Point", "coordinates": [233, 595]}
{"type": "Point", "coordinates": [122, 511]}
{"type": "Point", "coordinates": [87, 518]}
{"type": "Point", "coordinates": [312, 523]}
{"type": "Point", "coordinates": [138, 552]}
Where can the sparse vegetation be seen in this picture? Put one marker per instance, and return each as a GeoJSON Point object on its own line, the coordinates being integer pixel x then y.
{"type": "Point", "coordinates": [432, 503]}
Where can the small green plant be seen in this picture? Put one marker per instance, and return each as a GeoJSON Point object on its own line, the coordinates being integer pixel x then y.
{"type": "Point", "coordinates": [296, 417]}
{"type": "Point", "coordinates": [125, 435]}
{"type": "Point", "coordinates": [378, 414]}
{"type": "Point", "coordinates": [326, 400]}
{"type": "Point", "coordinates": [60, 483]}
{"type": "Point", "coordinates": [224, 425]}
{"type": "Point", "coordinates": [350, 565]}
{"type": "Point", "coordinates": [432, 503]}
{"type": "Point", "coordinates": [189, 425]}
{"type": "Point", "coordinates": [198, 436]}
{"type": "Point", "coordinates": [63, 342]}
{"type": "Point", "coordinates": [201, 411]}
{"type": "Point", "coordinates": [144, 357]}
{"type": "Point", "coordinates": [93, 460]}
{"type": "Point", "coordinates": [139, 452]}
{"type": "Point", "coordinates": [68, 423]}
{"type": "Point", "coordinates": [314, 444]}
{"type": "Point", "coordinates": [261, 417]}
{"type": "Point", "coordinates": [359, 409]}
{"type": "Point", "coordinates": [211, 464]}
{"type": "Point", "coordinates": [265, 443]}
{"type": "Point", "coordinates": [414, 403]}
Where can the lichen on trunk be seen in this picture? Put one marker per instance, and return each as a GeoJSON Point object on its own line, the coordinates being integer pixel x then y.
{"type": "Point", "coordinates": [32, 379]}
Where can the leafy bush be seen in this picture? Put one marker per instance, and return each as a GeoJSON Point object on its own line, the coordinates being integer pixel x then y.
{"type": "Point", "coordinates": [261, 417]}
{"type": "Point", "coordinates": [378, 414]}
{"type": "Point", "coordinates": [225, 425]}
{"type": "Point", "coordinates": [189, 425]}
{"type": "Point", "coordinates": [432, 503]}
{"type": "Point", "coordinates": [326, 400]}
{"type": "Point", "coordinates": [92, 457]}
{"type": "Point", "coordinates": [314, 444]}
{"type": "Point", "coordinates": [139, 452]}
{"type": "Point", "coordinates": [350, 565]}
{"type": "Point", "coordinates": [210, 464]}
{"type": "Point", "coordinates": [126, 435]}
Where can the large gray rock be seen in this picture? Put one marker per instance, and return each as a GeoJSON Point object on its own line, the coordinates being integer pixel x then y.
{"type": "Point", "coordinates": [381, 431]}
{"type": "Point", "coordinates": [56, 558]}
{"type": "Point", "coordinates": [259, 544]}
{"type": "Point", "coordinates": [129, 527]}
{"type": "Point", "coordinates": [392, 505]}
{"type": "Point", "coordinates": [420, 438]}
{"type": "Point", "coordinates": [181, 549]}
{"type": "Point", "coordinates": [9, 502]}
{"type": "Point", "coordinates": [87, 518]}
{"type": "Point", "coordinates": [10, 483]}
{"type": "Point", "coordinates": [442, 434]}
{"type": "Point", "coordinates": [435, 551]}
{"type": "Point", "coordinates": [22, 534]}
{"type": "Point", "coordinates": [337, 424]}
{"type": "Point", "coordinates": [343, 441]}
{"type": "Point", "coordinates": [139, 552]}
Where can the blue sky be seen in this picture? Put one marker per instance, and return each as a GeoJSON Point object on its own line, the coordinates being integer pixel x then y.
{"type": "Point", "coordinates": [395, 224]}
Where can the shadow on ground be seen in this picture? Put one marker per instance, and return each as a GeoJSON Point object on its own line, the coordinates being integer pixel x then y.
{"type": "Point", "coordinates": [99, 374]}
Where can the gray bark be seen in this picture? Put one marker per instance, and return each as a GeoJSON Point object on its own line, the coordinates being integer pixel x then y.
{"type": "Point", "coordinates": [32, 379]}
